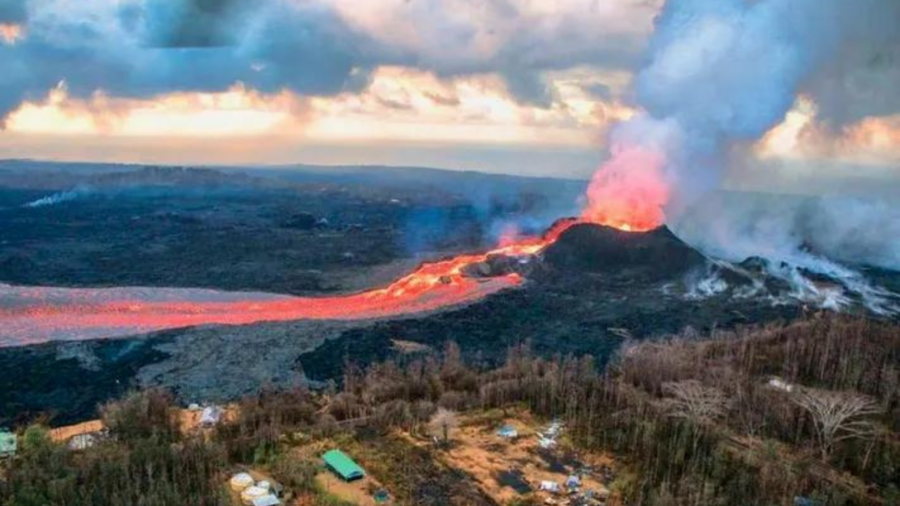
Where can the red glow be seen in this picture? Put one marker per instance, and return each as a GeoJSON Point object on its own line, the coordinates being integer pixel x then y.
{"type": "Point", "coordinates": [38, 314]}
{"type": "Point", "coordinates": [629, 192]}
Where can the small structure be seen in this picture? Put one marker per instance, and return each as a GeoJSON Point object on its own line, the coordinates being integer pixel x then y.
{"type": "Point", "coordinates": [9, 444]}
{"type": "Point", "coordinates": [240, 482]}
{"type": "Point", "coordinates": [250, 494]}
{"type": "Point", "coordinates": [780, 384]}
{"type": "Point", "coordinates": [211, 416]}
{"type": "Point", "coordinates": [267, 500]}
{"type": "Point", "coordinates": [381, 496]}
{"type": "Point", "coordinates": [508, 432]}
{"type": "Point", "coordinates": [343, 466]}
{"type": "Point", "coordinates": [81, 442]}
{"type": "Point", "coordinates": [573, 482]}
{"type": "Point", "coordinates": [550, 486]}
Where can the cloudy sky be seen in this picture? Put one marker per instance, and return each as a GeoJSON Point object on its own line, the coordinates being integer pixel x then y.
{"type": "Point", "coordinates": [517, 86]}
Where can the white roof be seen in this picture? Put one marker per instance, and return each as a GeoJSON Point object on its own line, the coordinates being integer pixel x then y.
{"type": "Point", "coordinates": [211, 414]}
{"type": "Point", "coordinates": [266, 500]}
{"type": "Point", "coordinates": [552, 486]}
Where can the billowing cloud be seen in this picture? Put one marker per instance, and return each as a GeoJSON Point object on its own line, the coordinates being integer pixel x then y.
{"type": "Point", "coordinates": [141, 48]}
{"type": "Point", "coordinates": [520, 39]}
{"type": "Point", "coordinates": [137, 49]}
{"type": "Point", "coordinates": [804, 135]}
{"type": "Point", "coordinates": [860, 80]}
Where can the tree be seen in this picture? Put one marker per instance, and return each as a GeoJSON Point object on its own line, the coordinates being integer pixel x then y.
{"type": "Point", "coordinates": [442, 423]}
{"type": "Point", "coordinates": [694, 401]}
{"type": "Point", "coordinates": [837, 416]}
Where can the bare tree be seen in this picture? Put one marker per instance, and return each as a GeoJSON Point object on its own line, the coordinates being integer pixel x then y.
{"type": "Point", "coordinates": [837, 416]}
{"type": "Point", "coordinates": [694, 401]}
{"type": "Point", "coordinates": [442, 423]}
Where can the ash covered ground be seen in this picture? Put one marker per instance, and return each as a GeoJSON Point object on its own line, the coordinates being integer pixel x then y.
{"type": "Point", "coordinates": [314, 231]}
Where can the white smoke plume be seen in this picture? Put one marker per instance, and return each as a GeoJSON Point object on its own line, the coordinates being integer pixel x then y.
{"type": "Point", "coordinates": [718, 75]}
{"type": "Point", "coordinates": [58, 198]}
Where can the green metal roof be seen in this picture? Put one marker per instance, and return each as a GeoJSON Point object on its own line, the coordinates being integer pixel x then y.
{"type": "Point", "coordinates": [343, 465]}
{"type": "Point", "coordinates": [8, 443]}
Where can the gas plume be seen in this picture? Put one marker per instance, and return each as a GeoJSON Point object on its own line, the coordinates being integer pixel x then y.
{"type": "Point", "coordinates": [719, 74]}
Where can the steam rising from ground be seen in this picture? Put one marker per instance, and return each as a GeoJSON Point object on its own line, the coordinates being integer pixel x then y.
{"type": "Point", "coordinates": [718, 76]}
{"type": "Point", "coordinates": [58, 198]}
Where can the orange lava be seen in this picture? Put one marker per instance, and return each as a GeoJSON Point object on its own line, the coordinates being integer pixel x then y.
{"type": "Point", "coordinates": [38, 314]}
{"type": "Point", "coordinates": [630, 191]}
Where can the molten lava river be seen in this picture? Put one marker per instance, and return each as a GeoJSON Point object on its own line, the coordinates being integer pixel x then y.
{"type": "Point", "coordinates": [31, 315]}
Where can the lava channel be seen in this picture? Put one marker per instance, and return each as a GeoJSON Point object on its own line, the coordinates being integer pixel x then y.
{"type": "Point", "coordinates": [30, 315]}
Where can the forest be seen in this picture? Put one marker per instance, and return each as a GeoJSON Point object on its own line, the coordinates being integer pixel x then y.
{"type": "Point", "coordinates": [800, 413]}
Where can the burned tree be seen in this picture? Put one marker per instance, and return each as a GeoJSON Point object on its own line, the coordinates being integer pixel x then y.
{"type": "Point", "coordinates": [694, 401]}
{"type": "Point", "coordinates": [837, 416]}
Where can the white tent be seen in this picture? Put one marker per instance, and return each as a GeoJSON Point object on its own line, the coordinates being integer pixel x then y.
{"type": "Point", "coordinates": [240, 482]}
{"type": "Point", "coordinates": [550, 486]}
{"type": "Point", "coordinates": [251, 494]}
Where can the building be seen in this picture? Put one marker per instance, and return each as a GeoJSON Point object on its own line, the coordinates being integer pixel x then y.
{"type": "Point", "coordinates": [81, 442]}
{"type": "Point", "coordinates": [8, 444]}
{"type": "Point", "coordinates": [508, 432]}
{"type": "Point", "coordinates": [343, 466]}
{"type": "Point", "coordinates": [267, 500]}
{"type": "Point", "coordinates": [550, 486]}
{"type": "Point", "coordinates": [210, 416]}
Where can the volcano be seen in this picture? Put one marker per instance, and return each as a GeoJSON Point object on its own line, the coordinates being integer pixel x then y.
{"type": "Point", "coordinates": [655, 254]}
{"type": "Point", "coordinates": [570, 249]}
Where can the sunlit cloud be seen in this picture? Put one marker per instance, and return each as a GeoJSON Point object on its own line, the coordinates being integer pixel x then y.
{"type": "Point", "coordinates": [399, 104]}
{"type": "Point", "coordinates": [237, 111]}
{"type": "Point", "coordinates": [10, 34]}
{"type": "Point", "coordinates": [873, 140]}
{"type": "Point", "coordinates": [408, 104]}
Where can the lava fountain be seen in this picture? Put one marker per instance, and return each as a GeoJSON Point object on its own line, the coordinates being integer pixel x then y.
{"type": "Point", "coordinates": [630, 191]}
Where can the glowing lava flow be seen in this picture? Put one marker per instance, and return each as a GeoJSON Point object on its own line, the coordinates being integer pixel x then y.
{"type": "Point", "coordinates": [36, 314]}
{"type": "Point", "coordinates": [627, 193]}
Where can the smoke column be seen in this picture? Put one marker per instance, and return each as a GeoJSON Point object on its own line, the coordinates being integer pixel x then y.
{"type": "Point", "coordinates": [718, 72]}
{"type": "Point", "coordinates": [717, 76]}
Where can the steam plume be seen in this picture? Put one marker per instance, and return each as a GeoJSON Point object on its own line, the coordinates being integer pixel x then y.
{"type": "Point", "coordinates": [718, 75]}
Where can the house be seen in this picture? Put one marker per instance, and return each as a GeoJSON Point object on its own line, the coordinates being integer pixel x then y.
{"type": "Point", "coordinates": [251, 494]}
{"type": "Point", "coordinates": [81, 442]}
{"type": "Point", "coordinates": [780, 384]}
{"type": "Point", "coordinates": [381, 496]}
{"type": "Point", "coordinates": [343, 466]}
{"type": "Point", "coordinates": [8, 444]}
{"type": "Point", "coordinates": [550, 486]}
{"type": "Point", "coordinates": [573, 482]}
{"type": "Point", "coordinates": [211, 416]}
{"type": "Point", "coordinates": [508, 432]}
{"type": "Point", "coordinates": [241, 482]}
